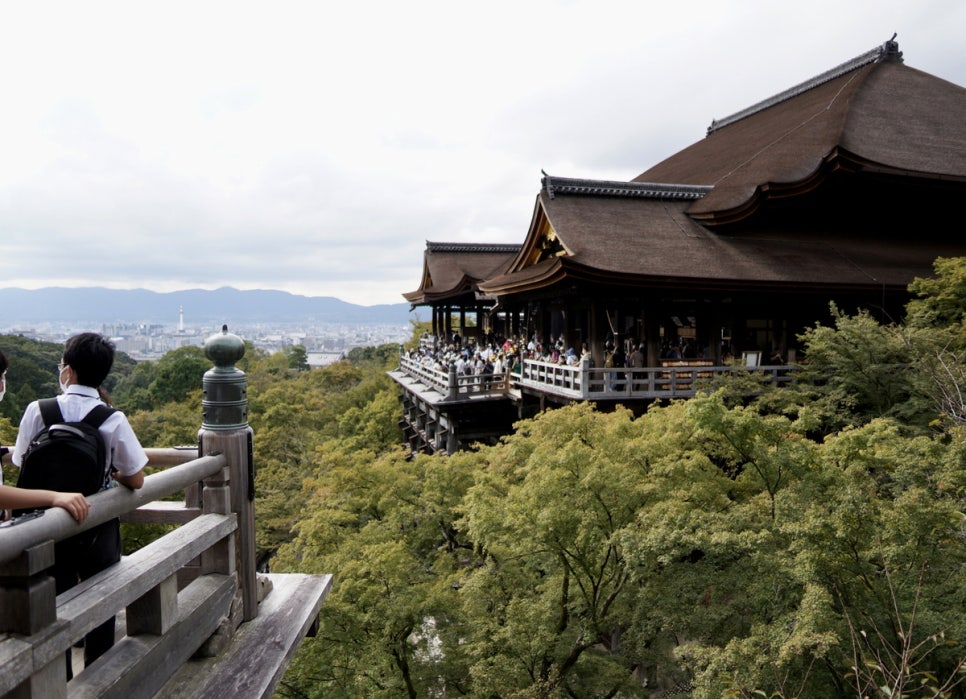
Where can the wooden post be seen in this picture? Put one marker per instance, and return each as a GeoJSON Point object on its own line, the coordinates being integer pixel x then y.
{"type": "Point", "coordinates": [216, 497]}
{"type": "Point", "coordinates": [156, 611]}
{"type": "Point", "coordinates": [27, 597]}
{"type": "Point", "coordinates": [454, 382]}
{"type": "Point", "coordinates": [225, 429]}
{"type": "Point", "coordinates": [28, 605]}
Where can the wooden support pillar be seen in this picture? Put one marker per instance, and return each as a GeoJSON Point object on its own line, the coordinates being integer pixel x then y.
{"type": "Point", "coordinates": [225, 430]}
{"type": "Point", "coordinates": [452, 442]}
{"type": "Point", "coordinates": [453, 388]}
{"type": "Point", "coordinates": [515, 323]}
{"type": "Point", "coordinates": [593, 338]}
{"type": "Point", "coordinates": [652, 335]}
{"type": "Point", "coordinates": [220, 558]}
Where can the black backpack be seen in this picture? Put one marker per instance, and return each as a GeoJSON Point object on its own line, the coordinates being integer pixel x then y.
{"type": "Point", "coordinates": [66, 456]}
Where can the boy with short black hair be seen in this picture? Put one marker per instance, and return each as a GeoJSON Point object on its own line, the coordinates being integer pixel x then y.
{"type": "Point", "coordinates": [19, 498]}
{"type": "Point", "coordinates": [87, 360]}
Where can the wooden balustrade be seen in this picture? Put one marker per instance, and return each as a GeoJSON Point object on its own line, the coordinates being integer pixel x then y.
{"type": "Point", "coordinates": [679, 379]}
{"type": "Point", "coordinates": [173, 595]}
{"type": "Point", "coordinates": [452, 385]}
{"type": "Point", "coordinates": [197, 621]}
{"type": "Point", "coordinates": [674, 379]}
{"type": "Point", "coordinates": [161, 620]}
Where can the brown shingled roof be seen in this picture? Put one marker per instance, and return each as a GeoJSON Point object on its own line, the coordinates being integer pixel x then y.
{"type": "Point", "coordinates": [847, 181]}
{"type": "Point", "coordinates": [882, 117]}
{"type": "Point", "coordinates": [652, 242]}
{"type": "Point", "coordinates": [452, 270]}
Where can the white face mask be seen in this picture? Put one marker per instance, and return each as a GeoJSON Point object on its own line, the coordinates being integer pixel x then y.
{"type": "Point", "coordinates": [63, 386]}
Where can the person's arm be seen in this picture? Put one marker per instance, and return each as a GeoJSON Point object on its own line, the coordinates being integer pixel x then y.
{"type": "Point", "coordinates": [30, 424]}
{"type": "Point", "coordinates": [19, 498]}
{"type": "Point", "coordinates": [133, 481]}
{"type": "Point", "coordinates": [128, 457]}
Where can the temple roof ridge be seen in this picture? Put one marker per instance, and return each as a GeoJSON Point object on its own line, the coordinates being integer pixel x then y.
{"type": "Point", "coordinates": [473, 247]}
{"type": "Point", "coordinates": [616, 188]}
{"type": "Point", "coordinates": [887, 52]}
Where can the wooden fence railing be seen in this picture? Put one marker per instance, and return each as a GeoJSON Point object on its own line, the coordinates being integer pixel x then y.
{"type": "Point", "coordinates": [161, 621]}
{"type": "Point", "coordinates": [677, 379]}
{"type": "Point", "coordinates": [194, 618]}
{"type": "Point", "coordinates": [452, 385]}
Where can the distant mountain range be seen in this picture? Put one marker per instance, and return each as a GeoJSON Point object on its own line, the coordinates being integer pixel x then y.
{"type": "Point", "coordinates": [225, 305]}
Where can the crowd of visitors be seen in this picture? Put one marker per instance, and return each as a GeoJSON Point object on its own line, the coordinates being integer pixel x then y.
{"type": "Point", "coordinates": [496, 355]}
{"type": "Point", "coordinates": [492, 355]}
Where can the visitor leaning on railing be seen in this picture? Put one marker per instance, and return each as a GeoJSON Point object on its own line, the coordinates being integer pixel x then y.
{"type": "Point", "coordinates": [40, 627]}
{"type": "Point", "coordinates": [191, 594]}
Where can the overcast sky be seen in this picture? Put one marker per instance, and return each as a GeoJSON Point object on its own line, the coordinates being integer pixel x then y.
{"type": "Point", "coordinates": [314, 147]}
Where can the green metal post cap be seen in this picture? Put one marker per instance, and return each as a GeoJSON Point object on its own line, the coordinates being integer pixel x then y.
{"type": "Point", "coordinates": [224, 349]}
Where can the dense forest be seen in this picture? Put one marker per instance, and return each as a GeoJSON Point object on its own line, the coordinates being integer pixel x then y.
{"type": "Point", "coordinates": [801, 542]}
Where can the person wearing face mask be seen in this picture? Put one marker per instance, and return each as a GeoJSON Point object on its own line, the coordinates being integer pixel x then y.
{"type": "Point", "coordinates": [12, 498]}
{"type": "Point", "coordinates": [88, 357]}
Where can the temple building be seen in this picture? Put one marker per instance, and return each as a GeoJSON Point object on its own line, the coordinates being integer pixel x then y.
{"type": "Point", "coordinates": [450, 284]}
{"type": "Point", "coordinates": [840, 190]}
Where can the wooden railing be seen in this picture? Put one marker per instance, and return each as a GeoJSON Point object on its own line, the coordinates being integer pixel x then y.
{"type": "Point", "coordinates": [197, 620]}
{"type": "Point", "coordinates": [452, 385]}
{"type": "Point", "coordinates": [679, 379]}
{"type": "Point", "coordinates": [675, 379]}
{"type": "Point", "coordinates": [161, 621]}
{"type": "Point", "coordinates": [180, 596]}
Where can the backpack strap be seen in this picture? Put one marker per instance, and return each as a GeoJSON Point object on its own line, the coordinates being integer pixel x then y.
{"type": "Point", "coordinates": [96, 417]}
{"type": "Point", "coordinates": [51, 414]}
{"type": "Point", "coordinates": [50, 411]}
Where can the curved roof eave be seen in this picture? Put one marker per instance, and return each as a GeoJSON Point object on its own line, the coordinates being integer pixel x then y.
{"type": "Point", "coordinates": [466, 285]}
{"type": "Point", "coordinates": [453, 269]}
{"type": "Point", "coordinates": [538, 276]}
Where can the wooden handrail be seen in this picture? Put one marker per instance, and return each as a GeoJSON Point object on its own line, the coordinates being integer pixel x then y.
{"type": "Point", "coordinates": [171, 456]}
{"type": "Point", "coordinates": [583, 382]}
{"type": "Point", "coordinates": [464, 386]}
{"type": "Point", "coordinates": [193, 590]}
{"type": "Point", "coordinates": [674, 379]}
{"type": "Point", "coordinates": [41, 626]}
{"type": "Point", "coordinates": [56, 524]}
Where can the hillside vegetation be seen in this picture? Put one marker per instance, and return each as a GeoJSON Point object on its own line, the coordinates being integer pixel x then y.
{"type": "Point", "coordinates": [808, 542]}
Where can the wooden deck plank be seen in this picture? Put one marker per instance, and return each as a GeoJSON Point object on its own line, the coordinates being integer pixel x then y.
{"type": "Point", "coordinates": [261, 649]}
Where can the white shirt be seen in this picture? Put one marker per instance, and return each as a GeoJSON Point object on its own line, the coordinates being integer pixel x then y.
{"type": "Point", "coordinates": [124, 451]}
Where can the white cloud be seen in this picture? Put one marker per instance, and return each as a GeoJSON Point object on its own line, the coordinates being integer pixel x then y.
{"type": "Point", "coordinates": [314, 147]}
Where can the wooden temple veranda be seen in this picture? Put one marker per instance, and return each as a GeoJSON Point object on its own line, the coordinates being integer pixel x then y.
{"type": "Point", "coordinates": [841, 189]}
